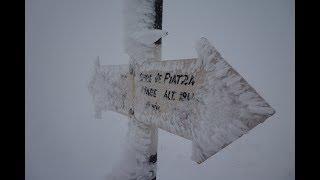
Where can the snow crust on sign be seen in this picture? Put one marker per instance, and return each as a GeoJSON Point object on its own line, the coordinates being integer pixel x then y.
{"type": "Point", "coordinates": [224, 108]}
{"type": "Point", "coordinates": [109, 88]}
{"type": "Point", "coordinates": [229, 106]}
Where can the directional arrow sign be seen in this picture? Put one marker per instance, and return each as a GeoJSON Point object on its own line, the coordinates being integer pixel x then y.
{"type": "Point", "coordinates": [201, 99]}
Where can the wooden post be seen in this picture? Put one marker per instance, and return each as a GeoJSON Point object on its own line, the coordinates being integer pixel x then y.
{"type": "Point", "coordinates": [154, 130]}
{"type": "Point", "coordinates": [146, 131]}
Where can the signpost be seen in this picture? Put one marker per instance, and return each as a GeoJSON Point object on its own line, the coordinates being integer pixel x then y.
{"type": "Point", "coordinates": [201, 99]}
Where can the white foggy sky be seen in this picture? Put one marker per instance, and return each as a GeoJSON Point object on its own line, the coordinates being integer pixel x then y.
{"type": "Point", "coordinates": [63, 37]}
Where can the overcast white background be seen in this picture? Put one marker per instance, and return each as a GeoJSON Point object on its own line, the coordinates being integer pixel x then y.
{"type": "Point", "coordinates": [64, 37]}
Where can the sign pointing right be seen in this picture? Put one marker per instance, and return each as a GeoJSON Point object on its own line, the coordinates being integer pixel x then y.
{"type": "Point", "coordinates": [201, 99]}
{"type": "Point", "coordinates": [204, 100]}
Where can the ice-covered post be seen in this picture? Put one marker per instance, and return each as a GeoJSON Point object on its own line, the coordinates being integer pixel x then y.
{"type": "Point", "coordinates": [143, 24]}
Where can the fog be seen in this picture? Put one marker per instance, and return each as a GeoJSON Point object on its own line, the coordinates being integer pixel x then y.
{"type": "Point", "coordinates": [64, 37]}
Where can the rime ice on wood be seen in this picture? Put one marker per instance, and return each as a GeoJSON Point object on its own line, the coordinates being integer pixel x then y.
{"type": "Point", "coordinates": [204, 100]}
{"type": "Point", "coordinates": [229, 106]}
{"type": "Point", "coordinates": [109, 88]}
{"type": "Point", "coordinates": [140, 34]}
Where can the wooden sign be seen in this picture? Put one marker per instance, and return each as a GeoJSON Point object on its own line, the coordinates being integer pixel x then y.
{"type": "Point", "coordinates": [201, 99]}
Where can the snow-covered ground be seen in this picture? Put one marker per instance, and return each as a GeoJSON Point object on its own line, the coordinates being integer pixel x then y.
{"type": "Point", "coordinates": [63, 38]}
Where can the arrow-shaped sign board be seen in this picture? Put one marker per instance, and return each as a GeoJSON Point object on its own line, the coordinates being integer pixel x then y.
{"type": "Point", "coordinates": [201, 99]}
